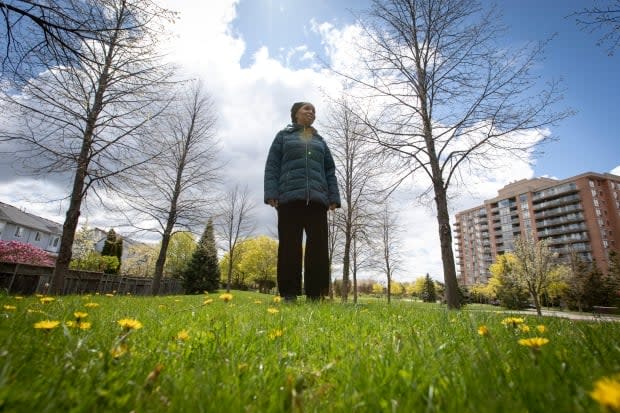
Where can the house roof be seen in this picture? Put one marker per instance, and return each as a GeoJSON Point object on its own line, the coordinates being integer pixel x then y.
{"type": "Point", "coordinates": [16, 216]}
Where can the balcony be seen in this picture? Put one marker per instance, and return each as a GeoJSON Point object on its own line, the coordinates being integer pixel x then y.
{"type": "Point", "coordinates": [567, 240]}
{"type": "Point", "coordinates": [556, 191]}
{"type": "Point", "coordinates": [564, 229]}
{"type": "Point", "coordinates": [570, 199]}
{"type": "Point", "coordinates": [568, 219]}
{"type": "Point", "coordinates": [559, 211]}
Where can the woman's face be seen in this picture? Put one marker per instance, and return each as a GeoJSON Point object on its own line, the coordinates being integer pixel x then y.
{"type": "Point", "coordinates": [305, 115]}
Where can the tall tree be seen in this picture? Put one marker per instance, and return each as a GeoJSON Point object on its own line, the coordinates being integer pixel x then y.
{"type": "Point", "coordinates": [203, 272]}
{"type": "Point", "coordinates": [449, 95]}
{"type": "Point", "coordinates": [358, 171]}
{"type": "Point", "coordinates": [428, 294]}
{"type": "Point", "coordinates": [180, 250]}
{"type": "Point", "coordinates": [603, 16]}
{"type": "Point", "coordinates": [86, 117]}
{"type": "Point", "coordinates": [170, 191]}
{"type": "Point", "coordinates": [235, 223]}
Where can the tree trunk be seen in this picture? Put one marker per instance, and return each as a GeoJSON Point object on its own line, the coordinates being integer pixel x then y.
{"type": "Point", "coordinates": [161, 261]}
{"type": "Point", "coordinates": [447, 255]}
{"type": "Point", "coordinates": [230, 267]}
{"type": "Point", "coordinates": [346, 263]}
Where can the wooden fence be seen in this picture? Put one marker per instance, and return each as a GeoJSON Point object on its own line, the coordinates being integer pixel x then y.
{"type": "Point", "coordinates": [32, 279]}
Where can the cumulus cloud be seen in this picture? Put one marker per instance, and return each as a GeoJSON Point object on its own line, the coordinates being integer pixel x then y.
{"type": "Point", "coordinates": [253, 103]}
{"type": "Point", "coordinates": [615, 171]}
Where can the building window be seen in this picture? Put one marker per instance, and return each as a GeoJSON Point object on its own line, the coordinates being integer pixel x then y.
{"type": "Point", "coordinates": [37, 236]}
{"type": "Point", "coordinates": [2, 224]}
{"type": "Point", "coordinates": [54, 242]}
{"type": "Point", "coordinates": [19, 232]}
{"type": "Point", "coordinates": [591, 184]}
{"type": "Point", "coordinates": [596, 202]}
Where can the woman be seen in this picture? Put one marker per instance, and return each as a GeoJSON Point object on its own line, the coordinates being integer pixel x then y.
{"type": "Point", "coordinates": [300, 182]}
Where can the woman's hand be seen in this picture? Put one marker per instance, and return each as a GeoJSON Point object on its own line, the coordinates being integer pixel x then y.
{"type": "Point", "coordinates": [273, 202]}
{"type": "Point", "coordinates": [332, 207]}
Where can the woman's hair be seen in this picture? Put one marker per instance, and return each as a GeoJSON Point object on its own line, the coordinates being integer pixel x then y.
{"type": "Point", "coordinates": [296, 106]}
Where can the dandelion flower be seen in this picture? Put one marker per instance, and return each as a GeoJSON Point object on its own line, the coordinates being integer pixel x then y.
{"type": "Point", "coordinates": [207, 301]}
{"type": "Point", "coordinates": [483, 330]}
{"type": "Point", "coordinates": [9, 307]}
{"type": "Point", "coordinates": [524, 328]}
{"type": "Point", "coordinates": [275, 334]}
{"type": "Point", "coordinates": [109, 295]}
{"type": "Point", "coordinates": [71, 324]}
{"type": "Point", "coordinates": [182, 335]}
{"type": "Point", "coordinates": [258, 302]}
{"type": "Point", "coordinates": [277, 299]}
{"type": "Point", "coordinates": [272, 310]}
{"type": "Point", "coordinates": [607, 393]}
{"type": "Point", "coordinates": [130, 324]}
{"type": "Point", "coordinates": [18, 297]}
{"type": "Point", "coordinates": [512, 321]}
{"type": "Point", "coordinates": [226, 297]}
{"type": "Point", "coordinates": [46, 325]}
{"type": "Point", "coordinates": [534, 342]}
{"type": "Point", "coordinates": [80, 315]}
{"type": "Point", "coordinates": [91, 305]}
{"type": "Point", "coordinates": [46, 300]}
{"type": "Point", "coordinates": [541, 328]}
{"type": "Point", "coordinates": [84, 325]}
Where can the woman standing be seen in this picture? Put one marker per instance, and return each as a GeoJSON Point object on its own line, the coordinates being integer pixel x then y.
{"type": "Point", "coordinates": [300, 182]}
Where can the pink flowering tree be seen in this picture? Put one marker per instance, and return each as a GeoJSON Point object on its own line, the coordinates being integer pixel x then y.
{"type": "Point", "coordinates": [20, 252]}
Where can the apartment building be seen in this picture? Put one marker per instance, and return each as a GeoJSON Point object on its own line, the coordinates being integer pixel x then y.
{"type": "Point", "coordinates": [578, 215]}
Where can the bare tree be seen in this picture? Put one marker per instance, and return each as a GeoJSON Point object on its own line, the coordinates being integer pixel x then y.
{"type": "Point", "coordinates": [35, 34]}
{"type": "Point", "coordinates": [448, 97]}
{"type": "Point", "coordinates": [168, 194]}
{"type": "Point", "coordinates": [235, 223]}
{"type": "Point", "coordinates": [358, 172]}
{"type": "Point", "coordinates": [85, 119]}
{"type": "Point", "coordinates": [389, 244]}
{"type": "Point", "coordinates": [603, 16]}
{"type": "Point", "coordinates": [332, 244]}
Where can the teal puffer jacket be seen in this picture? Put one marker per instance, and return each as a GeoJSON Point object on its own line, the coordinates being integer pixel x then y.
{"type": "Point", "coordinates": [300, 168]}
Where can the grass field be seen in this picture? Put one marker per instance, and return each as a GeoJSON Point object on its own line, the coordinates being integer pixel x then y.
{"type": "Point", "coordinates": [251, 354]}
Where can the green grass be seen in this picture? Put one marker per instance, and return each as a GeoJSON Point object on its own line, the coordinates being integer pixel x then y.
{"type": "Point", "coordinates": [372, 357]}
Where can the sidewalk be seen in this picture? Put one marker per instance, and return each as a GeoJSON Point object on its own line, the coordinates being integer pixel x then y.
{"type": "Point", "coordinates": [572, 316]}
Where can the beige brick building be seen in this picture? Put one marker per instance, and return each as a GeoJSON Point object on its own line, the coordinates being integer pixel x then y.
{"type": "Point", "coordinates": [580, 214]}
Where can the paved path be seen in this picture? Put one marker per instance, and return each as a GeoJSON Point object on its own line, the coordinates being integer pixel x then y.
{"type": "Point", "coordinates": [572, 316]}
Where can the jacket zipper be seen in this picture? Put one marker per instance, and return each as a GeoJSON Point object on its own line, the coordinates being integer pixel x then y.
{"type": "Point", "coordinates": [307, 178]}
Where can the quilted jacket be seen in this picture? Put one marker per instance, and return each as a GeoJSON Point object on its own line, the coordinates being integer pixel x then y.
{"type": "Point", "coordinates": [300, 167]}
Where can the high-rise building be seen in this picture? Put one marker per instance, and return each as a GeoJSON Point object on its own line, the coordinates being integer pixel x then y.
{"type": "Point", "coordinates": [579, 215]}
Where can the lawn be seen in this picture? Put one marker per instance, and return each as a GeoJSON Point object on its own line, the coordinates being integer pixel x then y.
{"type": "Point", "coordinates": [251, 354]}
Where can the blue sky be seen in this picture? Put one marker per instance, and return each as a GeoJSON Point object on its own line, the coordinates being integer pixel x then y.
{"type": "Point", "coordinates": [257, 57]}
{"type": "Point", "coordinates": [586, 142]}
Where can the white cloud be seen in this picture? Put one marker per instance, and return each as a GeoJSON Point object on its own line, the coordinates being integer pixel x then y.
{"type": "Point", "coordinates": [253, 104]}
{"type": "Point", "coordinates": [615, 171]}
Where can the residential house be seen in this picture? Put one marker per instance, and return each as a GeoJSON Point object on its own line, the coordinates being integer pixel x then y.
{"type": "Point", "coordinates": [18, 225]}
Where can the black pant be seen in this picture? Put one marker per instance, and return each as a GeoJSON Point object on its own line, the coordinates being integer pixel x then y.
{"type": "Point", "coordinates": [293, 219]}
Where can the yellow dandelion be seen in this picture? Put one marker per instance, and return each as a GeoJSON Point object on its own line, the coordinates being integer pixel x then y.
{"type": "Point", "coordinates": [182, 335]}
{"type": "Point", "coordinates": [207, 301]}
{"type": "Point", "coordinates": [277, 299]}
{"type": "Point", "coordinates": [46, 300]}
{"type": "Point", "coordinates": [91, 305]}
{"type": "Point", "coordinates": [242, 367]}
{"type": "Point", "coordinates": [541, 328]}
{"type": "Point", "coordinates": [9, 307]}
{"type": "Point", "coordinates": [84, 325]}
{"type": "Point", "coordinates": [483, 330]}
{"type": "Point", "coordinates": [177, 300]}
{"type": "Point", "coordinates": [46, 325]}
{"type": "Point", "coordinates": [607, 393]}
{"type": "Point", "coordinates": [534, 342]}
{"type": "Point", "coordinates": [275, 334]}
{"type": "Point", "coordinates": [109, 295]}
{"type": "Point", "coordinates": [258, 302]}
{"type": "Point", "coordinates": [31, 311]}
{"type": "Point", "coordinates": [18, 297]}
{"type": "Point", "coordinates": [39, 295]}
{"type": "Point", "coordinates": [80, 315]}
{"type": "Point", "coordinates": [119, 351]}
{"type": "Point", "coordinates": [512, 321]}
{"type": "Point", "coordinates": [71, 324]}
{"type": "Point", "coordinates": [162, 306]}
{"type": "Point", "coordinates": [272, 310]}
{"type": "Point", "coordinates": [226, 297]}
{"type": "Point", "coordinates": [524, 328]}
{"type": "Point", "coordinates": [130, 324]}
